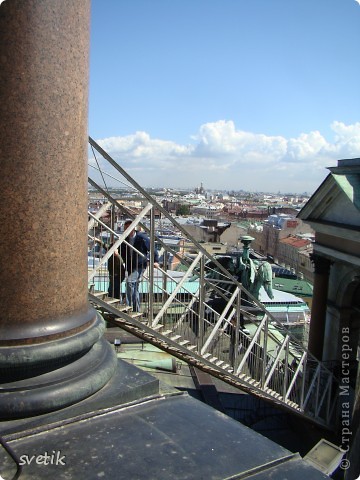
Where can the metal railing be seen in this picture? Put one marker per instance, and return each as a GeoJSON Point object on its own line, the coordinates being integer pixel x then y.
{"type": "Point", "coordinates": [193, 304]}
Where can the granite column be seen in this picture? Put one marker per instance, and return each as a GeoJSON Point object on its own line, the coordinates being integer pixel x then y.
{"type": "Point", "coordinates": [51, 348]}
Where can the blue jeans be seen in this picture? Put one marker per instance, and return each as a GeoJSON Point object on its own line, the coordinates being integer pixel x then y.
{"type": "Point", "coordinates": [132, 290]}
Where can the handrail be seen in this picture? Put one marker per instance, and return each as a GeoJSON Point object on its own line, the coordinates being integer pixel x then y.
{"type": "Point", "coordinates": [268, 361]}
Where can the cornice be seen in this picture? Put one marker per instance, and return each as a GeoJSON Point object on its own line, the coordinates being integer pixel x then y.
{"type": "Point", "coordinates": [347, 232]}
{"type": "Point", "coordinates": [332, 254]}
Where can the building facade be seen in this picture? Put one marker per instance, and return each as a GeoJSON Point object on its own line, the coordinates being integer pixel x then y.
{"type": "Point", "coordinates": [334, 213]}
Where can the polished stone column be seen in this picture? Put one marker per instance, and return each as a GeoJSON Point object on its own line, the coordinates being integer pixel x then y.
{"type": "Point", "coordinates": [51, 351]}
{"type": "Point", "coordinates": [319, 305]}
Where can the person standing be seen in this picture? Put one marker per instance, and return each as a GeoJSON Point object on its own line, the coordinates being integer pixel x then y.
{"type": "Point", "coordinates": [116, 268]}
{"type": "Point", "coordinates": [136, 260]}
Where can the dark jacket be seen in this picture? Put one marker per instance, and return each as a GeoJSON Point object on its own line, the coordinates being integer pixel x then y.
{"type": "Point", "coordinates": [133, 260]}
{"type": "Point", "coordinates": [115, 265]}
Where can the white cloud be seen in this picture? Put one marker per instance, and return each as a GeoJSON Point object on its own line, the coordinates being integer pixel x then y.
{"type": "Point", "coordinates": [347, 139]}
{"type": "Point", "coordinates": [223, 157]}
{"type": "Point", "coordinates": [305, 147]}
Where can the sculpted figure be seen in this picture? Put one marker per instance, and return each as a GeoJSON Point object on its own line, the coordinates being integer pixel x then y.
{"type": "Point", "coordinates": [254, 274]}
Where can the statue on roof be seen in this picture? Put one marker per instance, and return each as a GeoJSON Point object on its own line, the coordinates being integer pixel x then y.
{"type": "Point", "coordinates": [254, 274]}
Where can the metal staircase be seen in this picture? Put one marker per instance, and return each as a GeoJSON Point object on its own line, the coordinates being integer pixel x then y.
{"type": "Point", "coordinates": [194, 307]}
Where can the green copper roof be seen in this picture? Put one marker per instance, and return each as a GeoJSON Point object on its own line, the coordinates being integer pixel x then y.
{"type": "Point", "coordinates": [350, 185]}
{"type": "Point", "coordinates": [300, 288]}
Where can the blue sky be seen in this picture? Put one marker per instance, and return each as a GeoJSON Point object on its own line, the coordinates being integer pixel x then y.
{"type": "Point", "coordinates": [259, 95]}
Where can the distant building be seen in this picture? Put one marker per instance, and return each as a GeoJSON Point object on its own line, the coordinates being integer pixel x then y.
{"type": "Point", "coordinates": [205, 230]}
{"type": "Point", "coordinates": [208, 210]}
{"type": "Point", "coordinates": [231, 236]}
{"type": "Point", "coordinates": [288, 253]}
{"type": "Point", "coordinates": [284, 238]}
{"type": "Point", "coordinates": [200, 190]}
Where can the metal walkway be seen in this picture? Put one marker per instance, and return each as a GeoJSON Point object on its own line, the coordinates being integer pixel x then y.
{"type": "Point", "coordinates": [193, 306]}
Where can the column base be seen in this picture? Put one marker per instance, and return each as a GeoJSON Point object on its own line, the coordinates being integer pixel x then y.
{"type": "Point", "coordinates": [47, 376]}
{"type": "Point", "coordinates": [59, 388]}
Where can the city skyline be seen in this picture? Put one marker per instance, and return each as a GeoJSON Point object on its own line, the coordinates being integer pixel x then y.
{"type": "Point", "coordinates": [240, 95]}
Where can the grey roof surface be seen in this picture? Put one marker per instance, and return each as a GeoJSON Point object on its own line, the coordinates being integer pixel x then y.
{"type": "Point", "coordinates": [173, 437]}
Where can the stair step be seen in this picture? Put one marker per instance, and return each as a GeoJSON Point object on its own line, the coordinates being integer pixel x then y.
{"type": "Point", "coordinates": [158, 326]}
{"type": "Point", "coordinates": [184, 342]}
{"type": "Point", "coordinates": [220, 362]}
{"type": "Point", "coordinates": [100, 294]}
{"type": "Point", "coordinates": [124, 308]}
{"type": "Point", "coordinates": [191, 347]}
{"type": "Point", "coordinates": [111, 301]}
{"type": "Point", "coordinates": [167, 332]}
{"type": "Point", "coordinates": [175, 337]}
{"type": "Point", "coordinates": [206, 355]}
